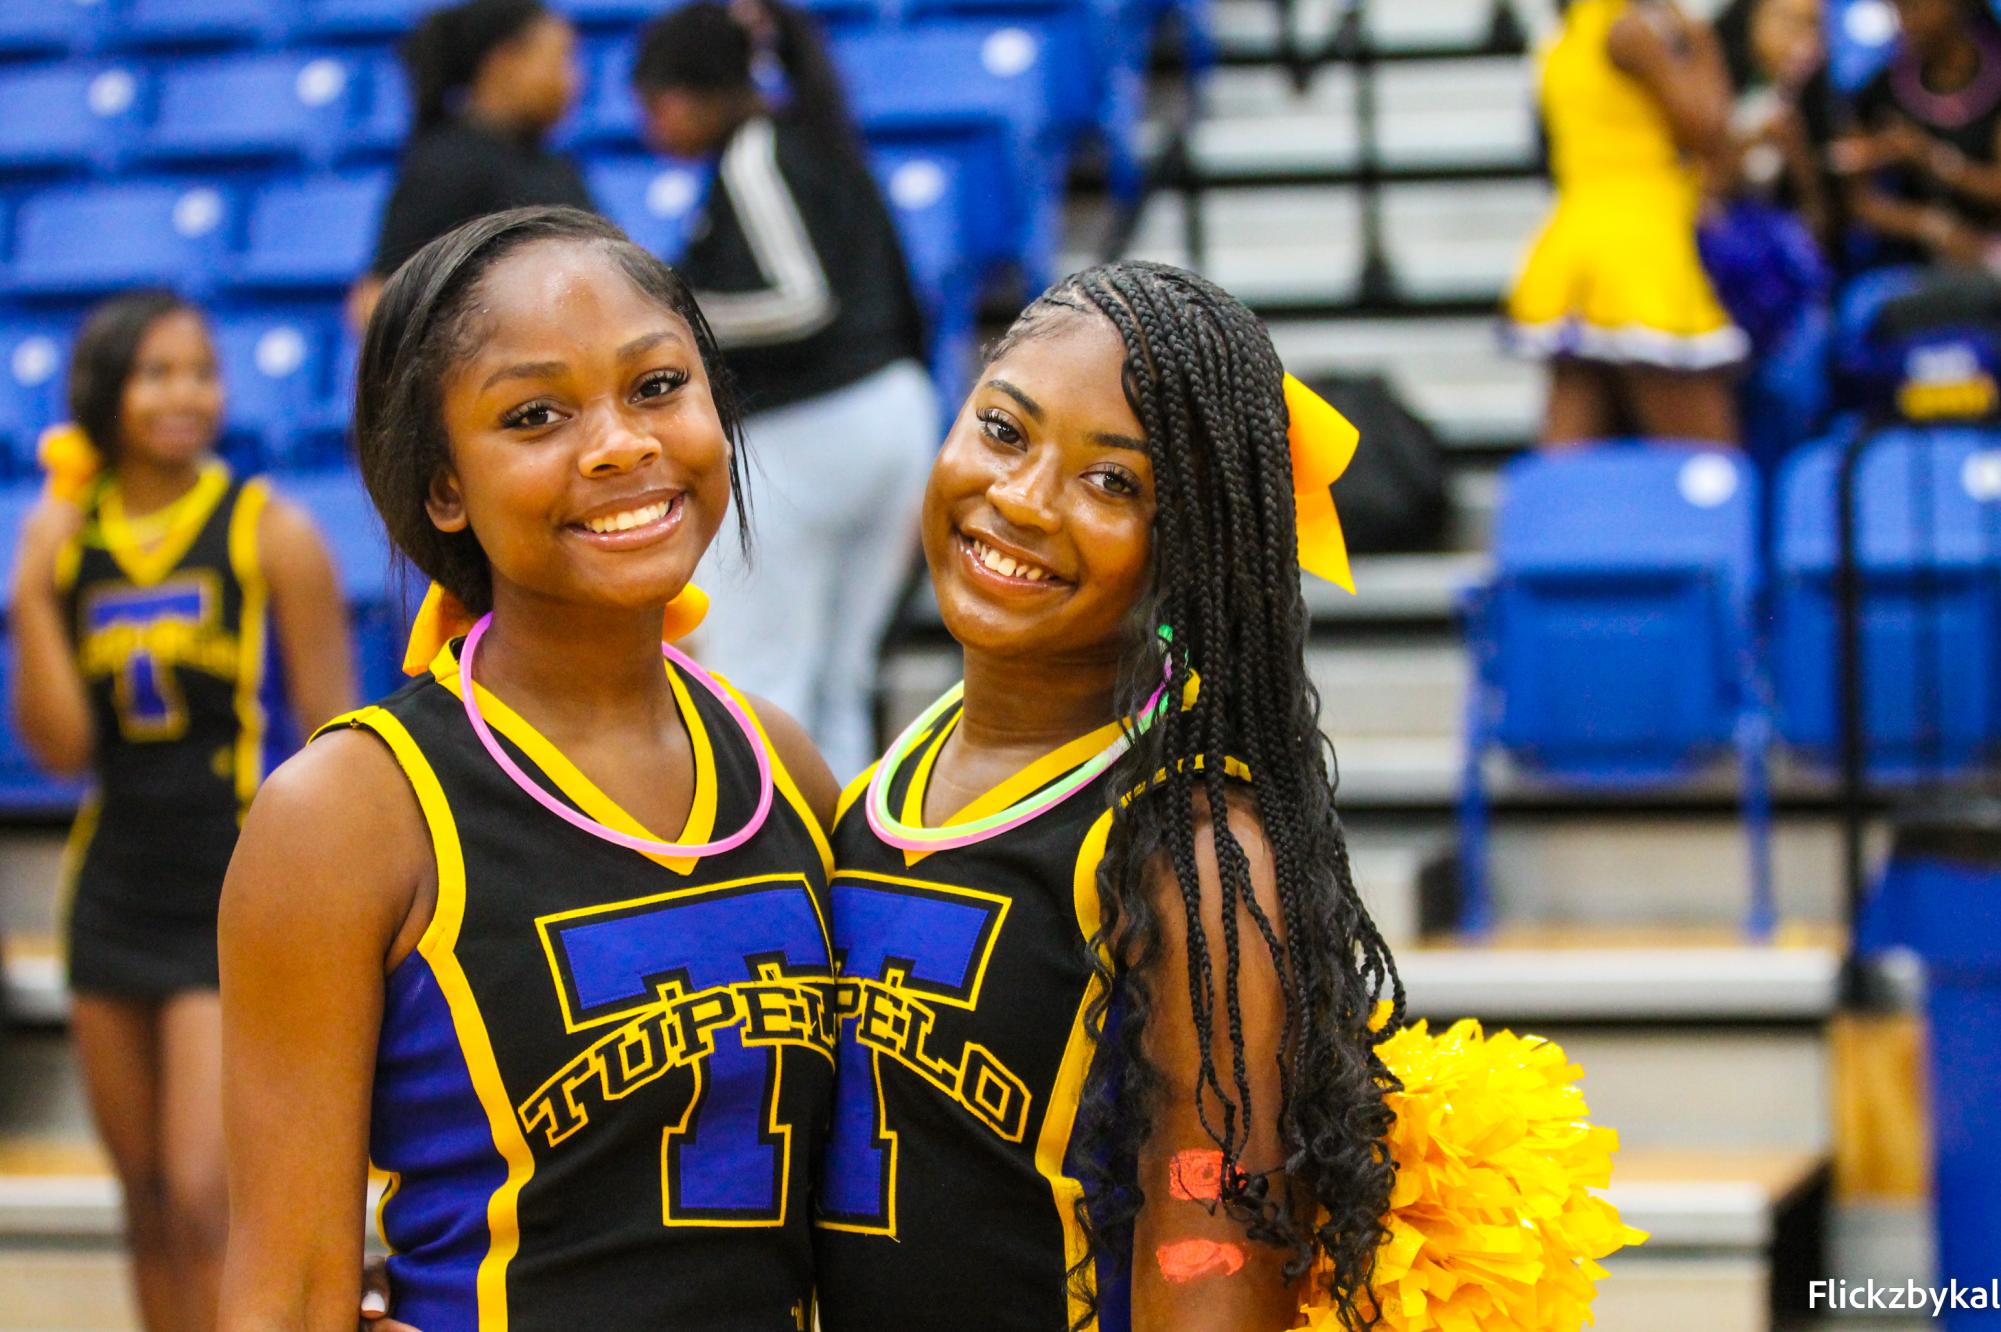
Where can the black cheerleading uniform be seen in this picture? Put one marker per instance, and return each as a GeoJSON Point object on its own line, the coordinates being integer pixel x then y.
{"type": "Point", "coordinates": [601, 1074]}
{"type": "Point", "coordinates": [172, 639]}
{"type": "Point", "coordinates": [947, 1196]}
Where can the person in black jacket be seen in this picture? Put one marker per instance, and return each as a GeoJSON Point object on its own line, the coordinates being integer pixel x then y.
{"type": "Point", "coordinates": [488, 80]}
{"type": "Point", "coordinates": [797, 265]}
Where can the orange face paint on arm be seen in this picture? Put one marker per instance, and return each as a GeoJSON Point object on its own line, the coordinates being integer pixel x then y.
{"type": "Point", "coordinates": [1196, 1175]}
{"type": "Point", "coordinates": [1196, 1259]}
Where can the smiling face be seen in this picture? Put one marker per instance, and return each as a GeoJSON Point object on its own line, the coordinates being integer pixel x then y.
{"type": "Point", "coordinates": [171, 409]}
{"type": "Point", "coordinates": [1038, 519]}
{"type": "Point", "coordinates": [586, 452]}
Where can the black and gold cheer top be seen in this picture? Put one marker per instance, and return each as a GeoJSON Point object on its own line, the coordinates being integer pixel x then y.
{"type": "Point", "coordinates": [947, 1198]}
{"type": "Point", "coordinates": [172, 641]}
{"type": "Point", "coordinates": [603, 1075]}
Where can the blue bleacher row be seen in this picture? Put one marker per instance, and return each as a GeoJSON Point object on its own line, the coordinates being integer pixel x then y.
{"type": "Point", "coordinates": [273, 258]}
{"type": "Point", "coordinates": [1640, 624]}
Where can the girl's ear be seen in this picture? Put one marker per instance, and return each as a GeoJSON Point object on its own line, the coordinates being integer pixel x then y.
{"type": "Point", "coordinates": [445, 503]}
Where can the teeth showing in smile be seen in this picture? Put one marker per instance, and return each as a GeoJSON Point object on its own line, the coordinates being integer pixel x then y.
{"type": "Point", "coordinates": [631, 518]}
{"type": "Point", "coordinates": [1006, 565]}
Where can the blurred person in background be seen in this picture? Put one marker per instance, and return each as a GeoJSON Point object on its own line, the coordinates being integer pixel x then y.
{"type": "Point", "coordinates": [151, 588]}
{"type": "Point", "coordinates": [1613, 295]}
{"type": "Point", "coordinates": [489, 79]}
{"type": "Point", "coordinates": [1923, 154]}
{"type": "Point", "coordinates": [1781, 121]}
{"type": "Point", "coordinates": [796, 262]}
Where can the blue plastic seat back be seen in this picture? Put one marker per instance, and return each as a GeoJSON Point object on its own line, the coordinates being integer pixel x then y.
{"type": "Point", "coordinates": [946, 72]}
{"type": "Point", "coordinates": [288, 106]}
{"type": "Point", "coordinates": [364, 18]}
{"type": "Point", "coordinates": [69, 116]}
{"type": "Point", "coordinates": [313, 232]}
{"type": "Point", "coordinates": [923, 190]}
{"type": "Point", "coordinates": [274, 370]}
{"type": "Point", "coordinates": [34, 360]}
{"type": "Point", "coordinates": [611, 13]}
{"type": "Point", "coordinates": [1928, 530]}
{"type": "Point", "coordinates": [1081, 40]}
{"type": "Point", "coordinates": [1619, 620]}
{"type": "Point", "coordinates": [51, 27]}
{"type": "Point", "coordinates": [1861, 35]}
{"type": "Point", "coordinates": [86, 240]}
{"type": "Point", "coordinates": [654, 199]}
{"type": "Point", "coordinates": [181, 22]}
{"type": "Point", "coordinates": [369, 583]}
{"type": "Point", "coordinates": [339, 506]}
{"type": "Point", "coordinates": [381, 123]}
{"type": "Point", "coordinates": [607, 114]}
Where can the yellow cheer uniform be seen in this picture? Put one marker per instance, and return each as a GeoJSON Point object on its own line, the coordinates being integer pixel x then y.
{"type": "Point", "coordinates": [1614, 274]}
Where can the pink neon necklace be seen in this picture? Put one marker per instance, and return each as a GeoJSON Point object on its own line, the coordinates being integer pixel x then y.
{"type": "Point", "coordinates": [470, 691]}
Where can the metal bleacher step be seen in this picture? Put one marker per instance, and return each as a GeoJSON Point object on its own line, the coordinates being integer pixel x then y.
{"type": "Point", "coordinates": [1434, 116]}
{"type": "Point", "coordinates": [1249, 29]}
{"type": "Point", "coordinates": [1452, 372]}
{"type": "Point", "coordinates": [1281, 246]}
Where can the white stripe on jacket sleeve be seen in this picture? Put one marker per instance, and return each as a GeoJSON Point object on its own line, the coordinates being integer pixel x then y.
{"type": "Point", "coordinates": [798, 302]}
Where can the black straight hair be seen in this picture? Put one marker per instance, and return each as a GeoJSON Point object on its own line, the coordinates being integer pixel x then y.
{"type": "Point", "coordinates": [1206, 384]}
{"type": "Point", "coordinates": [702, 47]}
{"type": "Point", "coordinates": [442, 56]}
{"type": "Point", "coordinates": [101, 362]}
{"type": "Point", "coordinates": [425, 325]}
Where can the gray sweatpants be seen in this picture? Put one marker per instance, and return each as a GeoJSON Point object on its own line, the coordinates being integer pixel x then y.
{"type": "Point", "coordinates": [835, 486]}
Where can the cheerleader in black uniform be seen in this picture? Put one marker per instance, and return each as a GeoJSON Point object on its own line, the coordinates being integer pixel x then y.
{"type": "Point", "coordinates": [593, 1059]}
{"type": "Point", "coordinates": [1105, 983]}
{"type": "Point", "coordinates": [156, 610]}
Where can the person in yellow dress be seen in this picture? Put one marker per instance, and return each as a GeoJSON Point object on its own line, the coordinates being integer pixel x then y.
{"type": "Point", "coordinates": [1635, 98]}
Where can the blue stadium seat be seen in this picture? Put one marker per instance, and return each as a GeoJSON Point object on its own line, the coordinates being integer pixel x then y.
{"type": "Point", "coordinates": [1929, 544]}
{"type": "Point", "coordinates": [926, 195]}
{"type": "Point", "coordinates": [844, 15]}
{"type": "Point", "coordinates": [1860, 37]}
{"type": "Point", "coordinates": [607, 13]}
{"type": "Point", "coordinates": [290, 106]}
{"type": "Point", "coordinates": [340, 508]}
{"type": "Point", "coordinates": [274, 371]}
{"type": "Point", "coordinates": [1614, 648]}
{"type": "Point", "coordinates": [607, 114]}
{"type": "Point", "coordinates": [24, 788]}
{"type": "Point", "coordinates": [1101, 50]}
{"type": "Point", "coordinates": [987, 94]}
{"type": "Point", "coordinates": [86, 240]}
{"type": "Point", "coordinates": [77, 117]}
{"type": "Point", "coordinates": [51, 27]}
{"type": "Point", "coordinates": [182, 23]}
{"type": "Point", "coordinates": [653, 198]}
{"type": "Point", "coordinates": [314, 232]}
{"type": "Point", "coordinates": [364, 18]}
{"type": "Point", "coordinates": [384, 120]}
{"type": "Point", "coordinates": [33, 359]}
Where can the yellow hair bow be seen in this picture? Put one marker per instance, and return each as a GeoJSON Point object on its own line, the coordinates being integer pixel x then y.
{"type": "Point", "coordinates": [1323, 443]}
{"type": "Point", "coordinates": [443, 617]}
{"type": "Point", "coordinates": [71, 461]}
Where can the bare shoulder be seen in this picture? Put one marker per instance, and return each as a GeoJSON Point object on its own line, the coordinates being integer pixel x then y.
{"type": "Point", "coordinates": [801, 757]}
{"type": "Point", "coordinates": [337, 825]}
{"type": "Point", "coordinates": [287, 533]}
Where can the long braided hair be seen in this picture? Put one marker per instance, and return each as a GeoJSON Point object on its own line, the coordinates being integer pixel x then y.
{"type": "Point", "coordinates": [1203, 379]}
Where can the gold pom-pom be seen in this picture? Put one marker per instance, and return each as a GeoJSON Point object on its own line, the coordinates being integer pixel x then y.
{"type": "Point", "coordinates": [70, 460]}
{"type": "Point", "coordinates": [1493, 1225]}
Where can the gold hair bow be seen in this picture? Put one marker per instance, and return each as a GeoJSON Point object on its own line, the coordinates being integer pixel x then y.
{"type": "Point", "coordinates": [1323, 442]}
{"type": "Point", "coordinates": [70, 460]}
{"type": "Point", "coordinates": [442, 618]}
